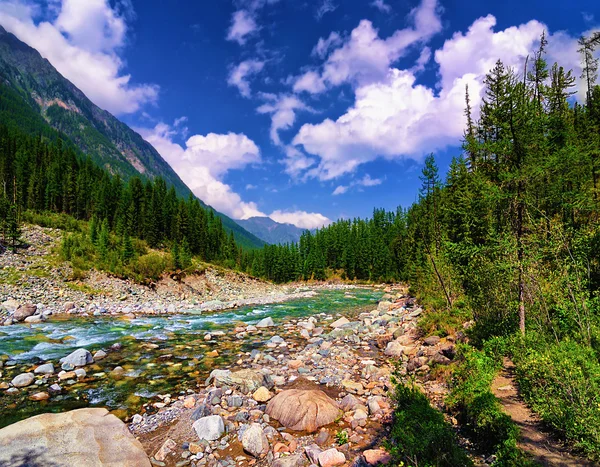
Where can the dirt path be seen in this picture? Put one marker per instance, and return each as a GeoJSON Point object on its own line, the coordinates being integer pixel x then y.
{"type": "Point", "coordinates": [534, 440]}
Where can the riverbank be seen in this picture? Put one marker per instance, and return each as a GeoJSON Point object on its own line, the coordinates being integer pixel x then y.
{"type": "Point", "coordinates": [43, 285]}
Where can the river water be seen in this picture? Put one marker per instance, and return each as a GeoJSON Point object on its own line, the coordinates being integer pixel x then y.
{"type": "Point", "coordinates": [160, 354]}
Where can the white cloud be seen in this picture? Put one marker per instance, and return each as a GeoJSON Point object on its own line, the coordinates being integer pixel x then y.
{"type": "Point", "coordinates": [249, 186]}
{"type": "Point", "coordinates": [302, 219]}
{"type": "Point", "coordinates": [381, 6]}
{"type": "Point", "coordinates": [326, 6]}
{"type": "Point", "coordinates": [340, 190]}
{"type": "Point", "coordinates": [325, 45]}
{"type": "Point", "coordinates": [366, 58]}
{"type": "Point", "coordinates": [243, 24]}
{"type": "Point", "coordinates": [282, 109]}
{"type": "Point", "coordinates": [239, 75]}
{"type": "Point", "coordinates": [310, 82]}
{"type": "Point", "coordinates": [82, 41]}
{"type": "Point", "coordinates": [366, 181]}
{"type": "Point", "coordinates": [395, 118]}
{"type": "Point", "coordinates": [204, 162]}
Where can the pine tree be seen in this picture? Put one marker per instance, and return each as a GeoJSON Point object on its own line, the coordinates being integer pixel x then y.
{"type": "Point", "coordinates": [13, 228]}
{"type": "Point", "coordinates": [127, 252]}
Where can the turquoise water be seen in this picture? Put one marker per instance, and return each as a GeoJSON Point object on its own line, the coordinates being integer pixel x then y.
{"type": "Point", "coordinates": [160, 355]}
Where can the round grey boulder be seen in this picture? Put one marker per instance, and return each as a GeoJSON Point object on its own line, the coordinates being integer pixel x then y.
{"type": "Point", "coordinates": [79, 357]}
{"type": "Point", "coordinates": [45, 369]}
{"type": "Point", "coordinates": [23, 380]}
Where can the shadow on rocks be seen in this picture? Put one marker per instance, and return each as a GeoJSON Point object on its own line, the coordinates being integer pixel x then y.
{"type": "Point", "coordinates": [31, 458]}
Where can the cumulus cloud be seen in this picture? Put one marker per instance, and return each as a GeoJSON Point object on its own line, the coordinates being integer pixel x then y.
{"type": "Point", "coordinates": [239, 76]}
{"type": "Point", "coordinates": [394, 117]}
{"type": "Point", "coordinates": [364, 57]}
{"type": "Point", "coordinates": [203, 163]}
{"type": "Point", "coordinates": [302, 219]}
{"type": "Point", "coordinates": [82, 40]}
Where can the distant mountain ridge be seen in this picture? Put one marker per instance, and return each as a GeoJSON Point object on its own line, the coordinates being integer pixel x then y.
{"type": "Point", "coordinates": [271, 231]}
{"type": "Point", "coordinates": [108, 141]}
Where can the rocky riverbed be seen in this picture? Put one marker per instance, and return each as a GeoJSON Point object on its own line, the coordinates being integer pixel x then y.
{"type": "Point", "coordinates": [37, 281]}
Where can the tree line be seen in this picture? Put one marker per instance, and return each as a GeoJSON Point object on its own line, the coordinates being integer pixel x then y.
{"type": "Point", "coordinates": [43, 175]}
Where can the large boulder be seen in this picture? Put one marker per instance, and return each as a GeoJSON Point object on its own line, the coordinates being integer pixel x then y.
{"type": "Point", "coordinates": [24, 311]}
{"type": "Point", "coordinates": [79, 357]}
{"type": "Point", "coordinates": [79, 438]}
{"type": "Point", "coordinates": [254, 441]}
{"type": "Point", "coordinates": [246, 381]}
{"type": "Point", "coordinates": [303, 409]}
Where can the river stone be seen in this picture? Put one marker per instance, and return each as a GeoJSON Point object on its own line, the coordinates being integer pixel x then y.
{"type": "Point", "coordinates": [245, 380]}
{"type": "Point", "coordinates": [79, 438]}
{"type": "Point", "coordinates": [79, 357]}
{"type": "Point", "coordinates": [209, 428]}
{"type": "Point", "coordinates": [431, 340]}
{"type": "Point", "coordinates": [262, 394]}
{"type": "Point", "coordinates": [377, 457]}
{"type": "Point", "coordinates": [24, 311]}
{"type": "Point", "coordinates": [295, 460]}
{"type": "Point", "coordinates": [394, 349]}
{"type": "Point", "coordinates": [339, 323]}
{"type": "Point", "coordinates": [39, 396]}
{"type": "Point", "coordinates": [303, 409]}
{"type": "Point", "coordinates": [265, 323]}
{"type": "Point", "coordinates": [23, 380]}
{"type": "Point", "coordinates": [99, 355]}
{"type": "Point", "coordinates": [10, 305]}
{"type": "Point", "coordinates": [331, 458]}
{"type": "Point", "coordinates": [45, 369]}
{"type": "Point", "coordinates": [254, 441]}
{"type": "Point", "coordinates": [35, 319]}
{"type": "Point", "coordinates": [383, 306]}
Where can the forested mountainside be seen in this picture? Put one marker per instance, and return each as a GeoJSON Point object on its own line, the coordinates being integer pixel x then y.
{"type": "Point", "coordinates": [37, 98]}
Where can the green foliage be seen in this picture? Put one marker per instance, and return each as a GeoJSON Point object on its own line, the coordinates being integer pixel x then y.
{"type": "Point", "coordinates": [561, 382]}
{"type": "Point", "coordinates": [420, 435]}
{"type": "Point", "coordinates": [478, 409]}
{"type": "Point", "coordinates": [341, 437]}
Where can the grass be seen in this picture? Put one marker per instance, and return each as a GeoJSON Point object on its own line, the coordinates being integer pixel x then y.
{"type": "Point", "coordinates": [420, 435]}
{"type": "Point", "coordinates": [478, 410]}
{"type": "Point", "coordinates": [83, 288]}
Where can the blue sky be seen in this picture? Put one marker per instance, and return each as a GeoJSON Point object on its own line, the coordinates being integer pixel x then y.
{"type": "Point", "coordinates": [306, 111]}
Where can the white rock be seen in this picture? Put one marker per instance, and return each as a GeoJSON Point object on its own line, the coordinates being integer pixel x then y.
{"type": "Point", "coordinates": [265, 323]}
{"type": "Point", "coordinates": [209, 428]}
{"type": "Point", "coordinates": [23, 380]}
{"type": "Point", "coordinates": [45, 369]}
{"type": "Point", "coordinates": [79, 357]}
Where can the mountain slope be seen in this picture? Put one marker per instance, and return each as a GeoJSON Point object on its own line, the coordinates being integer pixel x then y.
{"type": "Point", "coordinates": [109, 142]}
{"type": "Point", "coordinates": [270, 231]}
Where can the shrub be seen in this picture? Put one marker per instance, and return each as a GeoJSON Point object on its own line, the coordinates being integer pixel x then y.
{"type": "Point", "coordinates": [150, 266]}
{"type": "Point", "coordinates": [478, 409]}
{"type": "Point", "coordinates": [420, 435]}
{"type": "Point", "coordinates": [561, 382]}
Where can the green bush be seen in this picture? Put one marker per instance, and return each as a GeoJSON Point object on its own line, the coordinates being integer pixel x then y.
{"type": "Point", "coordinates": [561, 382]}
{"type": "Point", "coordinates": [478, 409]}
{"type": "Point", "coordinates": [420, 435]}
{"type": "Point", "coordinates": [150, 266]}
